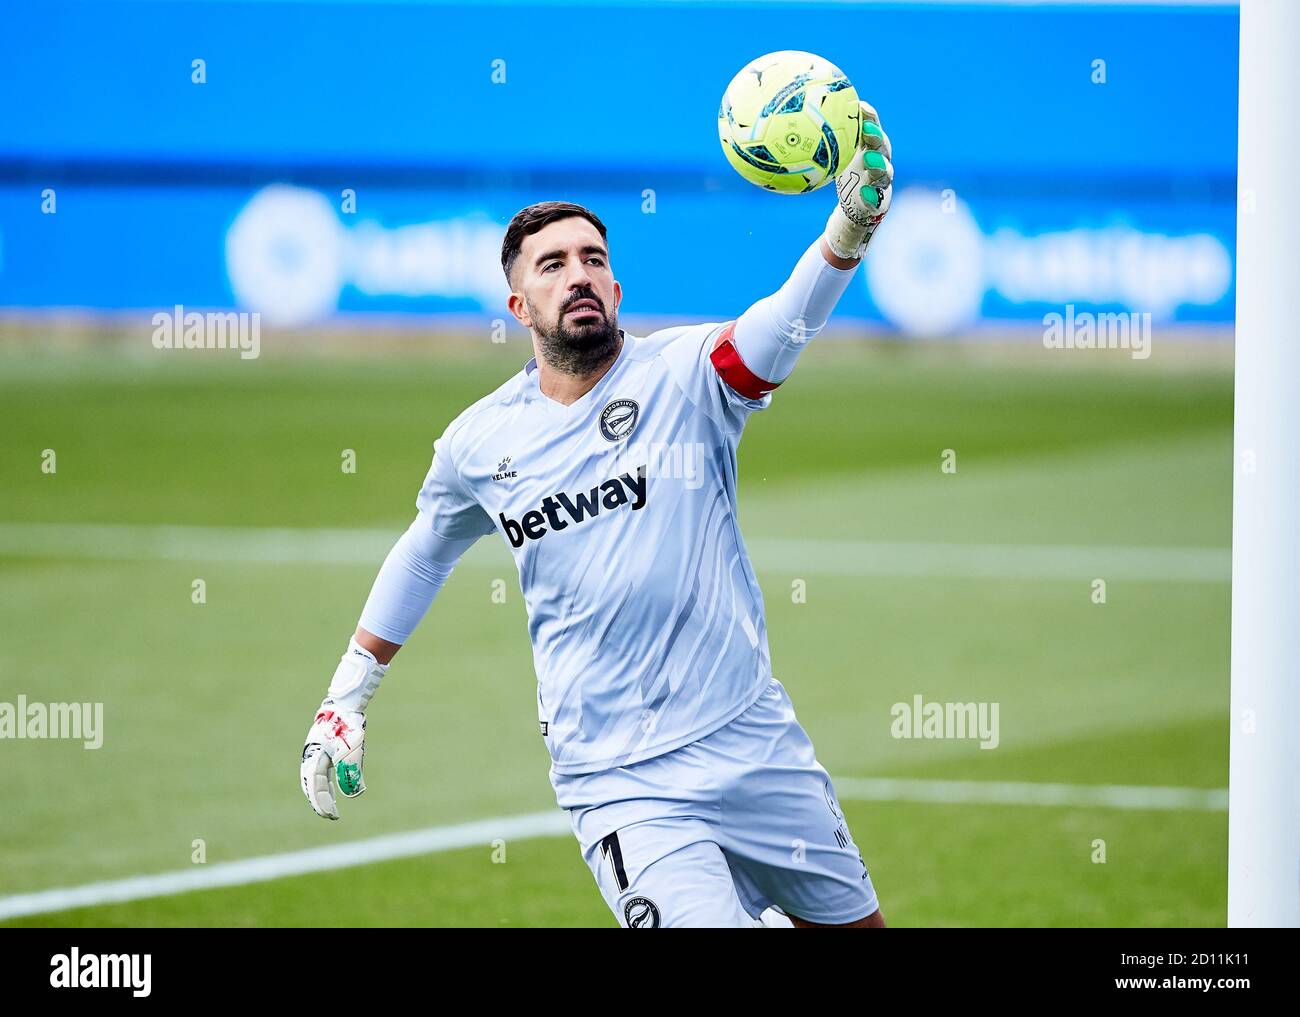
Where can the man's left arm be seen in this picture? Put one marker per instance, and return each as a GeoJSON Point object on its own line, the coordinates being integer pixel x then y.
{"type": "Point", "coordinates": [758, 352]}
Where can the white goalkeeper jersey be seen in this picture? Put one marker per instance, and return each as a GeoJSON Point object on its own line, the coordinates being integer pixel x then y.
{"type": "Point", "coordinates": [620, 510]}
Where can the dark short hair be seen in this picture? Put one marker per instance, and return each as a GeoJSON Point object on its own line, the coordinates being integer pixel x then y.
{"type": "Point", "coordinates": [528, 221]}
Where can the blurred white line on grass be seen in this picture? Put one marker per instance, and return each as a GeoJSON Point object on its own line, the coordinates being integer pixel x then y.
{"type": "Point", "coordinates": [556, 823]}
{"type": "Point", "coordinates": [292, 863]}
{"type": "Point", "coordinates": [982, 792]}
{"type": "Point", "coordinates": [799, 557]}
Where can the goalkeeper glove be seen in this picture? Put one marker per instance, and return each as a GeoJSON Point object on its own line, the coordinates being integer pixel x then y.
{"type": "Point", "coordinates": [337, 738]}
{"type": "Point", "coordinates": [865, 189]}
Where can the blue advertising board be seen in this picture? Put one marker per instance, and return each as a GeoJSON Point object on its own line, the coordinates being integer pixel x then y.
{"type": "Point", "coordinates": [310, 160]}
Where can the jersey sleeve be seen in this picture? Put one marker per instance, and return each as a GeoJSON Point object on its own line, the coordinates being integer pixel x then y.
{"type": "Point", "coordinates": [703, 362]}
{"type": "Point", "coordinates": [445, 503]}
{"type": "Point", "coordinates": [409, 580]}
{"type": "Point", "coordinates": [449, 521]}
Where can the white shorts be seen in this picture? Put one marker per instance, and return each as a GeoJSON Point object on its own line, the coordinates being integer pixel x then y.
{"type": "Point", "coordinates": [717, 831]}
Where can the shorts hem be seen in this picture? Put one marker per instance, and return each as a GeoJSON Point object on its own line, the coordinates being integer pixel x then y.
{"type": "Point", "coordinates": [754, 906]}
{"type": "Point", "coordinates": [843, 918]}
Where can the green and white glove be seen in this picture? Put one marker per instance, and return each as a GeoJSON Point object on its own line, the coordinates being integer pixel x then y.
{"type": "Point", "coordinates": [336, 742]}
{"type": "Point", "coordinates": [864, 188]}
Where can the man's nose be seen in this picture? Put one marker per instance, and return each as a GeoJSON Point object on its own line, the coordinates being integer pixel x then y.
{"type": "Point", "coordinates": [580, 278]}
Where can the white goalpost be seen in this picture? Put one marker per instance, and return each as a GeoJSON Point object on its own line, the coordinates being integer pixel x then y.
{"type": "Point", "coordinates": [1264, 777]}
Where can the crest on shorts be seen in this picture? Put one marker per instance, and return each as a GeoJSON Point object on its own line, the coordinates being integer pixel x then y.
{"type": "Point", "coordinates": [641, 913]}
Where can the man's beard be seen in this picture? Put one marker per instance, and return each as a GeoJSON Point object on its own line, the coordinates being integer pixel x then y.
{"type": "Point", "coordinates": [578, 350]}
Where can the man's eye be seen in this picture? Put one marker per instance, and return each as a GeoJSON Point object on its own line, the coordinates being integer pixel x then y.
{"type": "Point", "coordinates": [598, 261]}
{"type": "Point", "coordinates": [553, 264]}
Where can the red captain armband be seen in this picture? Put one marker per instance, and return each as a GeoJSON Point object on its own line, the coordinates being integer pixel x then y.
{"type": "Point", "coordinates": [732, 370]}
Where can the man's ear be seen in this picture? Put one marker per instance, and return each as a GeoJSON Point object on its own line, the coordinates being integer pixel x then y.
{"type": "Point", "coordinates": [516, 306]}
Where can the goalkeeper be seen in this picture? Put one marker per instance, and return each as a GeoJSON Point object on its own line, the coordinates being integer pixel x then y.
{"type": "Point", "coordinates": [693, 792]}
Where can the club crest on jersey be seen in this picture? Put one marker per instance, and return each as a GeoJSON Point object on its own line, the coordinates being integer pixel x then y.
{"type": "Point", "coordinates": [618, 419]}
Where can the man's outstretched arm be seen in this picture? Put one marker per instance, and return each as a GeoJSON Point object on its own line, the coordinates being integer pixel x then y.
{"type": "Point", "coordinates": [759, 352]}
{"type": "Point", "coordinates": [450, 519]}
{"type": "Point", "coordinates": [410, 578]}
{"type": "Point", "coordinates": [406, 586]}
{"type": "Point", "coordinates": [382, 650]}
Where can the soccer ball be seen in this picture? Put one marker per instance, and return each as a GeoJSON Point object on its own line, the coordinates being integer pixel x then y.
{"type": "Point", "coordinates": [789, 122]}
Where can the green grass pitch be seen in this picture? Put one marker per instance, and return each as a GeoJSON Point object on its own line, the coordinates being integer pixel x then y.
{"type": "Point", "coordinates": [206, 705]}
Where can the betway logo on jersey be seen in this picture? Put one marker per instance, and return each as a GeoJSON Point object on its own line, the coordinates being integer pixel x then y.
{"type": "Point", "coordinates": [557, 511]}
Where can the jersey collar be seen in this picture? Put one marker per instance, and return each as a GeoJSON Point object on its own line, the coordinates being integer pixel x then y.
{"type": "Point", "coordinates": [535, 392]}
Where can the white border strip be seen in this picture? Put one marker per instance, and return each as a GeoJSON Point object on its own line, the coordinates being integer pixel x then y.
{"type": "Point", "coordinates": [556, 823]}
